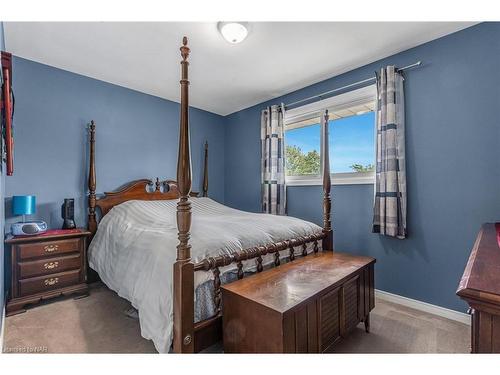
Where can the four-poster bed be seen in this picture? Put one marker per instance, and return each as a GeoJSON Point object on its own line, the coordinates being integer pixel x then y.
{"type": "Point", "coordinates": [297, 237]}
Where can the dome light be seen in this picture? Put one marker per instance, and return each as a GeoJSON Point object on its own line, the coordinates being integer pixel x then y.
{"type": "Point", "coordinates": [233, 32]}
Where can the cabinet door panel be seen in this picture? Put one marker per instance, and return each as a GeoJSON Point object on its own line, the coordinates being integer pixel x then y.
{"type": "Point", "coordinates": [351, 304]}
{"type": "Point", "coordinates": [329, 309]}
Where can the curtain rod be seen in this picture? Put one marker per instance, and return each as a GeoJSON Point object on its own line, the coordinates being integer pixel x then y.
{"type": "Point", "coordinates": [418, 63]}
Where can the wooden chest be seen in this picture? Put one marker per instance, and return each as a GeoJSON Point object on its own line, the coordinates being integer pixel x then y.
{"type": "Point", "coordinates": [46, 266]}
{"type": "Point", "coordinates": [480, 288]}
{"type": "Point", "coordinates": [304, 306]}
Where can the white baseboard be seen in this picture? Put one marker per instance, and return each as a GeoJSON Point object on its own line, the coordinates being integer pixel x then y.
{"type": "Point", "coordinates": [424, 306]}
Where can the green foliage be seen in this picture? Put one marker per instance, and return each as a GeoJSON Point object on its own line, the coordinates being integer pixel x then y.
{"type": "Point", "coordinates": [361, 168]}
{"type": "Point", "coordinates": [298, 163]}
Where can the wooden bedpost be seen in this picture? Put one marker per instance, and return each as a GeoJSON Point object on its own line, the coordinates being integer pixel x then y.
{"type": "Point", "coordinates": [205, 172]}
{"type": "Point", "coordinates": [183, 267]}
{"type": "Point", "coordinates": [327, 184]}
{"type": "Point", "coordinates": [92, 223]}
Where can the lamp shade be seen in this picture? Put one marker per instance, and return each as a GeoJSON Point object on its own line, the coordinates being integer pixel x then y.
{"type": "Point", "coordinates": [23, 205]}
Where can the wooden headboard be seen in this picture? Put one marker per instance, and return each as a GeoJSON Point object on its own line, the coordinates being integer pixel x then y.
{"type": "Point", "coordinates": [144, 189]}
{"type": "Point", "coordinates": [139, 190]}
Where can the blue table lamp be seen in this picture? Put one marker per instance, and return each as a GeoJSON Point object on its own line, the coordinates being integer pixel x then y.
{"type": "Point", "coordinates": [23, 205]}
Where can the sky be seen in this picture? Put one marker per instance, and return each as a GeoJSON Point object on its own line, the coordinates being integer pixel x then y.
{"type": "Point", "coordinates": [352, 141]}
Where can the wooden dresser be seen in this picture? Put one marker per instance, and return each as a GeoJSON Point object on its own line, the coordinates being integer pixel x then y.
{"type": "Point", "coordinates": [46, 266]}
{"type": "Point", "coordinates": [480, 288]}
{"type": "Point", "coordinates": [304, 306]}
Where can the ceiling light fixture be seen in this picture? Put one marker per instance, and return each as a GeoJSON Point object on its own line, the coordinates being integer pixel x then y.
{"type": "Point", "coordinates": [233, 32]}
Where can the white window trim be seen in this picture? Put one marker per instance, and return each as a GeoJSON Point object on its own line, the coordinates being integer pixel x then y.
{"type": "Point", "coordinates": [348, 178]}
{"type": "Point", "coordinates": [337, 102]}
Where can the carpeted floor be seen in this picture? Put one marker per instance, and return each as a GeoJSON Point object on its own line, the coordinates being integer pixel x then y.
{"type": "Point", "coordinates": [97, 324]}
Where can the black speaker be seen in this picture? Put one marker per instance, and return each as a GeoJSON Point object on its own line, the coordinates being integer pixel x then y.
{"type": "Point", "coordinates": [68, 213]}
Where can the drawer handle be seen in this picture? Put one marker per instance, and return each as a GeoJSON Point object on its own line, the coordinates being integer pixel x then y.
{"type": "Point", "coordinates": [51, 265]}
{"type": "Point", "coordinates": [51, 281]}
{"type": "Point", "coordinates": [51, 248]}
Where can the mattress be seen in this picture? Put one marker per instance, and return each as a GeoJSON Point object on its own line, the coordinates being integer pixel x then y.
{"type": "Point", "coordinates": [134, 250]}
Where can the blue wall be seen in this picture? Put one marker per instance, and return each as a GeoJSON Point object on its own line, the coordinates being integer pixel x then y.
{"type": "Point", "coordinates": [2, 216]}
{"type": "Point", "coordinates": [453, 166]}
{"type": "Point", "coordinates": [136, 137]}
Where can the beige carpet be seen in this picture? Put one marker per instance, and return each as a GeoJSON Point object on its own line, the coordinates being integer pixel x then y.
{"type": "Point", "coordinates": [399, 329]}
{"type": "Point", "coordinates": [97, 324]}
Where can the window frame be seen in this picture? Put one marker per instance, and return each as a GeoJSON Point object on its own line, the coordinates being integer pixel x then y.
{"type": "Point", "coordinates": [335, 103]}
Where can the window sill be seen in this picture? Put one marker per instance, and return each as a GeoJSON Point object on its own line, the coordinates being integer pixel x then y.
{"type": "Point", "coordinates": [337, 179]}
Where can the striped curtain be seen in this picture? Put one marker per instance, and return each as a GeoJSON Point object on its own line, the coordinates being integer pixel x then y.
{"type": "Point", "coordinates": [389, 216]}
{"type": "Point", "coordinates": [273, 160]}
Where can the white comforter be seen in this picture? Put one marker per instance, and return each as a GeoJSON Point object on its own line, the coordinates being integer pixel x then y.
{"type": "Point", "coordinates": [135, 247]}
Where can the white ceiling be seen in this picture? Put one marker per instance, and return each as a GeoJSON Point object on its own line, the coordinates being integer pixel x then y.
{"type": "Point", "coordinates": [276, 57]}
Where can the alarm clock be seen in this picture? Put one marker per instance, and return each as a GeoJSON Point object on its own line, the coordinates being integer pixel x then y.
{"type": "Point", "coordinates": [28, 228]}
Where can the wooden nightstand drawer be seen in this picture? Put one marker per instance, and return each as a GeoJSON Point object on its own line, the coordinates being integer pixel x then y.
{"type": "Point", "coordinates": [48, 282]}
{"type": "Point", "coordinates": [49, 248]}
{"type": "Point", "coordinates": [49, 265]}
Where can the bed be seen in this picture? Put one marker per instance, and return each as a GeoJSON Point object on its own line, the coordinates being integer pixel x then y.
{"type": "Point", "coordinates": [134, 250]}
{"type": "Point", "coordinates": [168, 251]}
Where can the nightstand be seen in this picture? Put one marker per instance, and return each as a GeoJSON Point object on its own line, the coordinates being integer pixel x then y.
{"type": "Point", "coordinates": [46, 266]}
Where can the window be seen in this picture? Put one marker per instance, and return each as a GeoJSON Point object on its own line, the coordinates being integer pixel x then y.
{"type": "Point", "coordinates": [351, 139]}
{"type": "Point", "coordinates": [302, 148]}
